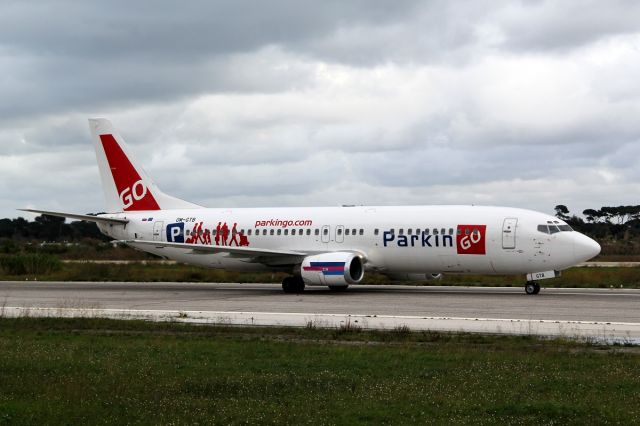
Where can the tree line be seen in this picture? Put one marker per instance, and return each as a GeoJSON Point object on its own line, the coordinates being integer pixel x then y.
{"type": "Point", "coordinates": [621, 222]}
{"type": "Point", "coordinates": [48, 228]}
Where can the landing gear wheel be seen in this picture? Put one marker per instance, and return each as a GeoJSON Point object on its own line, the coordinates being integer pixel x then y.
{"type": "Point", "coordinates": [337, 288]}
{"type": "Point", "coordinates": [532, 287]}
{"type": "Point", "coordinates": [293, 285]}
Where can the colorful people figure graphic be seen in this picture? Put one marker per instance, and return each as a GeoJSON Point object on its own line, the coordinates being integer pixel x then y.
{"type": "Point", "coordinates": [234, 233]}
{"type": "Point", "coordinates": [198, 231]}
{"type": "Point", "coordinates": [217, 237]}
{"type": "Point", "coordinates": [193, 237]}
{"type": "Point", "coordinates": [225, 234]}
{"type": "Point", "coordinates": [221, 237]}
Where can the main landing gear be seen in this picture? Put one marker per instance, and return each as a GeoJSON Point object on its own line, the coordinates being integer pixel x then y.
{"type": "Point", "coordinates": [293, 285]}
{"type": "Point", "coordinates": [532, 287]}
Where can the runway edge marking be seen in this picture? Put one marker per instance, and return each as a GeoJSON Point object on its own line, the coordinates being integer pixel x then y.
{"type": "Point", "coordinates": [602, 331]}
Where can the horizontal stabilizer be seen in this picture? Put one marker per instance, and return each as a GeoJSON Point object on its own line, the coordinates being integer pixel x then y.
{"type": "Point", "coordinates": [85, 217]}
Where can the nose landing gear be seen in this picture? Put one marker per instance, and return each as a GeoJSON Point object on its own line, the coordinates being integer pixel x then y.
{"type": "Point", "coordinates": [532, 287]}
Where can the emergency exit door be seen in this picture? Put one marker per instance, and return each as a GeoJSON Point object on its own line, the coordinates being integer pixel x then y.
{"type": "Point", "coordinates": [325, 234]}
{"type": "Point", "coordinates": [157, 231]}
{"type": "Point", "coordinates": [509, 233]}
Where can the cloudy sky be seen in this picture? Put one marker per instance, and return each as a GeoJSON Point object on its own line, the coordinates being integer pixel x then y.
{"type": "Point", "coordinates": [294, 103]}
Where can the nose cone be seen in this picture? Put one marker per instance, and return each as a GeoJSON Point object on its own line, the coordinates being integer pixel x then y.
{"type": "Point", "coordinates": [584, 248]}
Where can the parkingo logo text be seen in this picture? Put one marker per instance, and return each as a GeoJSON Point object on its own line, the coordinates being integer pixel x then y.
{"type": "Point", "coordinates": [470, 239]}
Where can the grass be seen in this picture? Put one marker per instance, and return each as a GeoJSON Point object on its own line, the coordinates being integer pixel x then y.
{"type": "Point", "coordinates": [94, 371]}
{"type": "Point", "coordinates": [29, 263]}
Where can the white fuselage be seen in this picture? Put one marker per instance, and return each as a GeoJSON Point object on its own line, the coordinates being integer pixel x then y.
{"type": "Point", "coordinates": [408, 239]}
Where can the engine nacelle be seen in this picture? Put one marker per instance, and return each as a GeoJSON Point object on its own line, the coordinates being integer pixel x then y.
{"type": "Point", "coordinates": [334, 269]}
{"type": "Point", "coordinates": [404, 276]}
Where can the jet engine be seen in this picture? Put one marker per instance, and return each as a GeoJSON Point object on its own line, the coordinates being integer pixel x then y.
{"type": "Point", "coordinates": [338, 269]}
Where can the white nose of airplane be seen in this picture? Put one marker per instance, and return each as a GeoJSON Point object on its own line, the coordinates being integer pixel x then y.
{"type": "Point", "coordinates": [584, 248]}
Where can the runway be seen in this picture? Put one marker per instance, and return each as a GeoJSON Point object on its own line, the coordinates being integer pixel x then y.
{"type": "Point", "coordinates": [600, 313]}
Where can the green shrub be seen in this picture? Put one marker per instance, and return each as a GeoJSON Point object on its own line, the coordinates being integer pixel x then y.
{"type": "Point", "coordinates": [30, 263]}
{"type": "Point", "coordinates": [9, 246]}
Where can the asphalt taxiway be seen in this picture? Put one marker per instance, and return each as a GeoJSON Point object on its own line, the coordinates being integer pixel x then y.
{"type": "Point", "coordinates": [599, 313]}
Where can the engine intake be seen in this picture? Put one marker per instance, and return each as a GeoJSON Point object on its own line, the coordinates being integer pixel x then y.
{"type": "Point", "coordinates": [333, 269]}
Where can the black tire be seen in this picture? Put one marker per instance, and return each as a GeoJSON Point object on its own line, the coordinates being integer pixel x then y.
{"type": "Point", "coordinates": [338, 288]}
{"type": "Point", "coordinates": [288, 285]}
{"type": "Point", "coordinates": [293, 285]}
{"type": "Point", "coordinates": [531, 288]}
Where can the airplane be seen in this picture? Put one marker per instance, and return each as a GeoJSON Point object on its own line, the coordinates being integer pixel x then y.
{"type": "Point", "coordinates": [328, 246]}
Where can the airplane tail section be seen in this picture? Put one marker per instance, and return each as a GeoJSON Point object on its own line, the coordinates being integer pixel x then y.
{"type": "Point", "coordinates": [127, 187]}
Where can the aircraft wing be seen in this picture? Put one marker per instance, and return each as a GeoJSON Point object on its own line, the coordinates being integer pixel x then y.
{"type": "Point", "coordinates": [85, 217]}
{"type": "Point", "coordinates": [249, 252]}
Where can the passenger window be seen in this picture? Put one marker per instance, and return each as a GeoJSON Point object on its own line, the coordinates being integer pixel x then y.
{"type": "Point", "coordinates": [346, 231]}
{"type": "Point", "coordinates": [361, 231]}
{"type": "Point", "coordinates": [339, 231]}
{"type": "Point", "coordinates": [293, 232]}
{"type": "Point", "coordinates": [300, 231]}
{"type": "Point", "coordinates": [286, 232]}
{"type": "Point", "coordinates": [435, 231]}
{"type": "Point", "coordinates": [249, 232]}
{"type": "Point", "coordinates": [279, 231]}
{"type": "Point", "coordinates": [426, 231]}
{"type": "Point", "coordinates": [443, 231]}
{"type": "Point", "coordinates": [271, 232]}
{"type": "Point", "coordinates": [325, 231]}
{"type": "Point", "coordinates": [401, 231]}
{"type": "Point", "coordinates": [317, 232]}
{"type": "Point", "coordinates": [308, 231]}
{"type": "Point", "coordinates": [376, 231]}
{"type": "Point", "coordinates": [409, 231]}
{"type": "Point", "coordinates": [459, 231]}
{"type": "Point", "coordinates": [187, 232]}
{"type": "Point", "coordinates": [353, 232]}
{"type": "Point", "coordinates": [450, 231]}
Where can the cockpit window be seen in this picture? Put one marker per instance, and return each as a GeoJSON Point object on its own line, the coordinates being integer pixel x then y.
{"type": "Point", "coordinates": [552, 228]}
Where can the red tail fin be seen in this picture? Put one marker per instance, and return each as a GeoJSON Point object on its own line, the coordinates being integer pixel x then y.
{"type": "Point", "coordinates": [126, 185]}
{"type": "Point", "coordinates": [132, 190]}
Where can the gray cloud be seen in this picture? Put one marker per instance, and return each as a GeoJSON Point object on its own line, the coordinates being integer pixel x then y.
{"type": "Point", "coordinates": [560, 26]}
{"type": "Point", "coordinates": [525, 103]}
